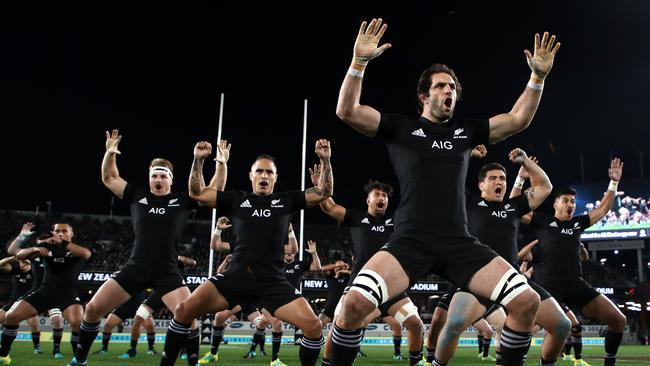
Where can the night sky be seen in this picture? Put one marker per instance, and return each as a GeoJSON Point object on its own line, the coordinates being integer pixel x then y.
{"type": "Point", "coordinates": [72, 71]}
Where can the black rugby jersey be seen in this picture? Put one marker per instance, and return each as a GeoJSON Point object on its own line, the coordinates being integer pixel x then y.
{"type": "Point", "coordinates": [496, 224]}
{"type": "Point", "coordinates": [21, 282]}
{"type": "Point", "coordinates": [158, 224]}
{"type": "Point", "coordinates": [61, 267]}
{"type": "Point", "coordinates": [559, 244]}
{"type": "Point", "coordinates": [260, 224]}
{"type": "Point", "coordinates": [369, 233]}
{"type": "Point", "coordinates": [293, 271]}
{"type": "Point", "coordinates": [430, 161]}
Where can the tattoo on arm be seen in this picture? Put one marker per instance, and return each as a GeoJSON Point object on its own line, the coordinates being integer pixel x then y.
{"type": "Point", "coordinates": [326, 178]}
{"type": "Point", "coordinates": [196, 177]}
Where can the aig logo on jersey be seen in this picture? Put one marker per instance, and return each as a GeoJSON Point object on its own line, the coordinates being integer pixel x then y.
{"type": "Point", "coordinates": [157, 210]}
{"type": "Point", "coordinates": [378, 228]}
{"type": "Point", "coordinates": [501, 214]}
{"type": "Point", "coordinates": [261, 212]}
{"type": "Point", "coordinates": [442, 145]}
{"type": "Point", "coordinates": [567, 231]}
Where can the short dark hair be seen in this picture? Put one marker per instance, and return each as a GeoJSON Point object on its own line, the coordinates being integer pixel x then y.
{"type": "Point", "coordinates": [375, 184]}
{"type": "Point", "coordinates": [60, 223]}
{"type": "Point", "coordinates": [425, 81]}
{"type": "Point", "coordinates": [487, 167]}
{"type": "Point", "coordinates": [564, 190]}
{"type": "Point", "coordinates": [265, 157]}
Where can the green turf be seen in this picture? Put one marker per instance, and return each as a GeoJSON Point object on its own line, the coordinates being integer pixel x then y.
{"type": "Point", "coordinates": [22, 355]}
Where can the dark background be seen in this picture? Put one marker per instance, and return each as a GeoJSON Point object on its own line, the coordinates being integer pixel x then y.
{"type": "Point", "coordinates": [71, 71]}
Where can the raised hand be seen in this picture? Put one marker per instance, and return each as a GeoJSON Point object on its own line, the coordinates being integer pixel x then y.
{"type": "Point", "coordinates": [223, 223]}
{"type": "Point", "coordinates": [480, 151]}
{"type": "Point", "coordinates": [365, 47]}
{"type": "Point", "coordinates": [616, 169]}
{"type": "Point", "coordinates": [311, 247]}
{"type": "Point", "coordinates": [223, 152]}
{"type": "Point", "coordinates": [523, 172]}
{"type": "Point", "coordinates": [323, 150]}
{"type": "Point", "coordinates": [517, 156]}
{"type": "Point", "coordinates": [541, 61]}
{"type": "Point", "coordinates": [315, 174]}
{"type": "Point", "coordinates": [202, 150]}
{"type": "Point", "coordinates": [26, 230]}
{"type": "Point", "coordinates": [112, 141]}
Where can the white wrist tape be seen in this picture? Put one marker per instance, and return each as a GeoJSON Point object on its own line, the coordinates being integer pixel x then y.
{"type": "Point", "coordinates": [613, 185]}
{"type": "Point", "coordinates": [535, 86]}
{"type": "Point", "coordinates": [292, 235]}
{"type": "Point", "coordinates": [355, 73]}
{"type": "Point", "coordinates": [216, 231]}
{"type": "Point", "coordinates": [519, 182]}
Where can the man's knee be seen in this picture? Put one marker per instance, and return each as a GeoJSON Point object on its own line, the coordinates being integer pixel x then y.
{"type": "Point", "coordinates": [93, 311]}
{"type": "Point", "coordinates": [313, 329]}
{"type": "Point", "coordinates": [455, 325]}
{"type": "Point", "coordinates": [357, 306]}
{"type": "Point", "coordinates": [525, 304]}
{"type": "Point", "coordinates": [183, 312]}
{"type": "Point", "coordinates": [563, 327]}
{"type": "Point", "coordinates": [414, 324]}
{"type": "Point", "coordinates": [13, 318]}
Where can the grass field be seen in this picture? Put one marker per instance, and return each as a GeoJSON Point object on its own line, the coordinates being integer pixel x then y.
{"type": "Point", "coordinates": [22, 355]}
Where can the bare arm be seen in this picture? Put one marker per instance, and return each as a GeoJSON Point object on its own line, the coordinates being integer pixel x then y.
{"type": "Point", "coordinates": [615, 173]}
{"type": "Point", "coordinates": [521, 114]}
{"type": "Point", "coordinates": [25, 232]}
{"type": "Point", "coordinates": [5, 263]}
{"type": "Point", "coordinates": [522, 175]}
{"type": "Point", "coordinates": [362, 118]}
{"type": "Point", "coordinates": [110, 175]}
{"type": "Point", "coordinates": [584, 254]}
{"type": "Point", "coordinates": [186, 261]}
{"type": "Point", "coordinates": [32, 252]}
{"type": "Point", "coordinates": [292, 244]}
{"type": "Point", "coordinates": [315, 260]}
{"type": "Point", "coordinates": [215, 243]}
{"type": "Point", "coordinates": [223, 267]}
{"type": "Point", "coordinates": [77, 250]}
{"type": "Point", "coordinates": [220, 176]}
{"type": "Point", "coordinates": [337, 212]}
{"type": "Point", "coordinates": [325, 188]}
{"type": "Point", "coordinates": [541, 186]}
{"type": "Point", "coordinates": [526, 250]}
{"type": "Point", "coordinates": [204, 195]}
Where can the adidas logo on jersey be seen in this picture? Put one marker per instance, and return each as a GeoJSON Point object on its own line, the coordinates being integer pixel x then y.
{"type": "Point", "coordinates": [553, 224]}
{"type": "Point", "coordinates": [365, 221]}
{"type": "Point", "coordinates": [482, 204]}
{"type": "Point", "coordinates": [245, 204]}
{"type": "Point", "coordinates": [144, 201]}
{"type": "Point", "coordinates": [419, 132]}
